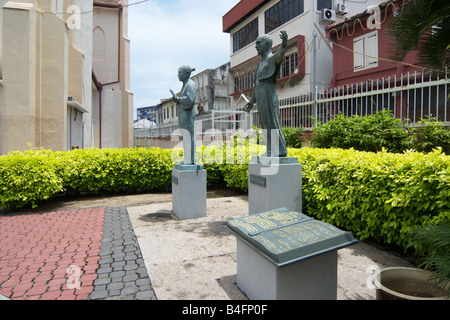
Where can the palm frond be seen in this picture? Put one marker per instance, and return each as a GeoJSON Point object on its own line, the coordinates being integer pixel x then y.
{"type": "Point", "coordinates": [424, 26]}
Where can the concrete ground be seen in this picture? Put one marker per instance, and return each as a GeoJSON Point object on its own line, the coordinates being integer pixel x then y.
{"type": "Point", "coordinates": [196, 259]}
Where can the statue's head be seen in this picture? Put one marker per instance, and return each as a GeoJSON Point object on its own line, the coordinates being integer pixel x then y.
{"type": "Point", "coordinates": [184, 72]}
{"type": "Point", "coordinates": [263, 43]}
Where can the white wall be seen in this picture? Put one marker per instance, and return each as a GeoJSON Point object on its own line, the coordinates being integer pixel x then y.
{"type": "Point", "coordinates": [111, 119]}
{"type": "Point", "coordinates": [106, 55]}
{"type": "Point", "coordinates": [82, 41]}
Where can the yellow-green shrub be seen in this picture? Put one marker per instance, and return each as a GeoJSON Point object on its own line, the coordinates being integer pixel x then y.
{"type": "Point", "coordinates": [382, 195]}
{"type": "Point", "coordinates": [27, 178]}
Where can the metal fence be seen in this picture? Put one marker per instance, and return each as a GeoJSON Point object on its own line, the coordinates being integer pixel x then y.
{"type": "Point", "coordinates": [411, 97]}
{"type": "Point", "coordinates": [223, 123]}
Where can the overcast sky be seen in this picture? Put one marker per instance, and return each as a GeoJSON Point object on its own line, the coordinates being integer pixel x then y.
{"type": "Point", "coordinates": [166, 34]}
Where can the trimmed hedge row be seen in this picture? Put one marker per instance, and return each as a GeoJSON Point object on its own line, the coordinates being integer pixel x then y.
{"type": "Point", "coordinates": [381, 196]}
{"type": "Point", "coordinates": [380, 131]}
{"type": "Point", "coordinates": [26, 178]}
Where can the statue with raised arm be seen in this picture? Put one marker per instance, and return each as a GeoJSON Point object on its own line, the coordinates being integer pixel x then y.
{"type": "Point", "coordinates": [265, 95]}
{"type": "Point", "coordinates": [186, 112]}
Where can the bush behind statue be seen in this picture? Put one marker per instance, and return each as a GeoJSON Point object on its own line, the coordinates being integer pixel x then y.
{"type": "Point", "coordinates": [363, 133]}
{"type": "Point", "coordinates": [381, 131]}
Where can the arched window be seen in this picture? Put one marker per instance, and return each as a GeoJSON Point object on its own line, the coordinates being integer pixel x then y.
{"type": "Point", "coordinates": [98, 44]}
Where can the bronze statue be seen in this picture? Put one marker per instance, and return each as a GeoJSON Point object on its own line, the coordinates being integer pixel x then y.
{"type": "Point", "coordinates": [186, 112]}
{"type": "Point", "coordinates": [265, 95]}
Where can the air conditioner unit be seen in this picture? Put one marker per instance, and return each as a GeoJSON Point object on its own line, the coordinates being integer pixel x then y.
{"type": "Point", "coordinates": [341, 9]}
{"type": "Point", "coordinates": [328, 15]}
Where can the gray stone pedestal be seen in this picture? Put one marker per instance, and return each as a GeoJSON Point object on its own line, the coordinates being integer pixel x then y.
{"type": "Point", "coordinates": [189, 191]}
{"type": "Point", "coordinates": [312, 279]}
{"type": "Point", "coordinates": [284, 255]}
{"type": "Point", "coordinates": [274, 183]}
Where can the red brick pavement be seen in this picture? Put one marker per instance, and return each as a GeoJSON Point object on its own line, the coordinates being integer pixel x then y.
{"type": "Point", "coordinates": [50, 256]}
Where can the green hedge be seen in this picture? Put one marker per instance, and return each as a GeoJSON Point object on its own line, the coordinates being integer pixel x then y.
{"type": "Point", "coordinates": [381, 196]}
{"type": "Point", "coordinates": [28, 177]}
{"type": "Point", "coordinates": [363, 133]}
{"type": "Point", "coordinates": [381, 131]}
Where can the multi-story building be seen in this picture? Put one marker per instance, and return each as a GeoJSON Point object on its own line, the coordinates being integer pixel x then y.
{"type": "Point", "coordinates": [308, 63]}
{"type": "Point", "coordinates": [147, 113]}
{"type": "Point", "coordinates": [212, 89]}
{"type": "Point", "coordinates": [167, 113]}
{"type": "Point", "coordinates": [212, 94]}
{"type": "Point", "coordinates": [64, 75]}
{"type": "Point", "coordinates": [371, 80]}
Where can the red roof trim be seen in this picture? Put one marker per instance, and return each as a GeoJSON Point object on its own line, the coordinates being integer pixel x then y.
{"type": "Point", "coordinates": [239, 12]}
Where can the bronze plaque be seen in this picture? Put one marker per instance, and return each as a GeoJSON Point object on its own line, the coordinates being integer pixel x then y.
{"type": "Point", "coordinates": [284, 236]}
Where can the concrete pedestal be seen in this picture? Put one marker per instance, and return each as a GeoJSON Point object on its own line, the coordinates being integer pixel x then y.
{"type": "Point", "coordinates": [314, 278]}
{"type": "Point", "coordinates": [189, 191]}
{"type": "Point", "coordinates": [274, 183]}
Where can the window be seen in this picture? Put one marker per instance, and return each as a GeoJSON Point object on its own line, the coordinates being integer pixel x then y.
{"type": "Point", "coordinates": [282, 12]}
{"type": "Point", "coordinates": [99, 44]}
{"type": "Point", "coordinates": [324, 4]}
{"type": "Point", "coordinates": [245, 36]}
{"type": "Point", "coordinates": [365, 51]}
{"type": "Point", "coordinates": [289, 66]}
{"type": "Point", "coordinates": [243, 82]}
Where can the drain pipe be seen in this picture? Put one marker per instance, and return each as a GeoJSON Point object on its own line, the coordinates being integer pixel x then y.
{"type": "Point", "coordinates": [99, 87]}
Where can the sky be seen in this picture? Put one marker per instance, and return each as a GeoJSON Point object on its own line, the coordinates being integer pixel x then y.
{"type": "Point", "coordinates": [166, 34]}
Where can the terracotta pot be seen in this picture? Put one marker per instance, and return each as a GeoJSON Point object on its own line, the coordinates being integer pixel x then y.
{"type": "Point", "coordinates": [406, 284]}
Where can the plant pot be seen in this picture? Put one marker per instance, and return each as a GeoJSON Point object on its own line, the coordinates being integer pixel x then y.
{"type": "Point", "coordinates": [406, 284]}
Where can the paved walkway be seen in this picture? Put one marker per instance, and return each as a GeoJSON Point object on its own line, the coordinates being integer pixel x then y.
{"type": "Point", "coordinates": [72, 255]}
{"type": "Point", "coordinates": [94, 254]}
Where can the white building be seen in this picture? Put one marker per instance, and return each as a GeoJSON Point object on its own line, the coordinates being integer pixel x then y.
{"type": "Point", "coordinates": [64, 75]}
{"type": "Point", "coordinates": [309, 58]}
{"type": "Point", "coordinates": [212, 89]}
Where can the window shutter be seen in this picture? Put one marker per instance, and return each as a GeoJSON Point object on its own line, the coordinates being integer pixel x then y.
{"type": "Point", "coordinates": [371, 49]}
{"type": "Point", "coordinates": [358, 53]}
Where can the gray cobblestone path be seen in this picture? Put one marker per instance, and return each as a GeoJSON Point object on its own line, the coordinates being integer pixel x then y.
{"type": "Point", "coordinates": [121, 274]}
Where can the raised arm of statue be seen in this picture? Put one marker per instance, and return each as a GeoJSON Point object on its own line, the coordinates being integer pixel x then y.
{"type": "Point", "coordinates": [279, 55]}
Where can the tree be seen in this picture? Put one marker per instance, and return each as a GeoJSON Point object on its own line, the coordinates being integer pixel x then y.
{"type": "Point", "coordinates": [422, 25]}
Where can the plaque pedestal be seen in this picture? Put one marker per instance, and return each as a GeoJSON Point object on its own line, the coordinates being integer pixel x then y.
{"type": "Point", "coordinates": [274, 183]}
{"type": "Point", "coordinates": [284, 255]}
{"type": "Point", "coordinates": [311, 279]}
{"type": "Point", "coordinates": [189, 191]}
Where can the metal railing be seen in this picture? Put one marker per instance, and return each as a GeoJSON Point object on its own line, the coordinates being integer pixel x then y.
{"type": "Point", "coordinates": [410, 97]}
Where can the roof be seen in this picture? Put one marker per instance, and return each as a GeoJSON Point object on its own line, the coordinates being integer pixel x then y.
{"type": "Point", "coordinates": [108, 3]}
{"type": "Point", "coordinates": [240, 12]}
{"type": "Point", "coordinates": [360, 15]}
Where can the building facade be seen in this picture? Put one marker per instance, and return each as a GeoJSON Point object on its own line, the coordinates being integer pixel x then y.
{"type": "Point", "coordinates": [361, 48]}
{"type": "Point", "coordinates": [113, 103]}
{"type": "Point", "coordinates": [167, 113]}
{"type": "Point", "coordinates": [147, 113]}
{"type": "Point", "coordinates": [308, 63]}
{"type": "Point", "coordinates": [52, 92]}
{"type": "Point", "coordinates": [364, 72]}
{"type": "Point", "coordinates": [212, 90]}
